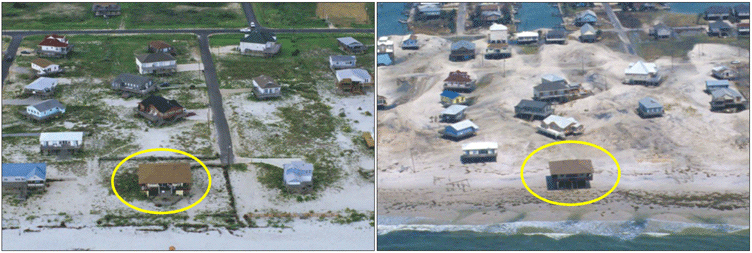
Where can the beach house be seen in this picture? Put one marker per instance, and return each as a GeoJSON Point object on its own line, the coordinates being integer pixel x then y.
{"type": "Point", "coordinates": [385, 46]}
{"type": "Point", "coordinates": [462, 50]}
{"type": "Point", "coordinates": [351, 45]}
{"type": "Point", "coordinates": [711, 85]}
{"type": "Point", "coordinates": [460, 130]}
{"type": "Point", "coordinates": [342, 61]}
{"type": "Point", "coordinates": [381, 102]}
{"type": "Point", "coordinates": [559, 127]}
{"type": "Point", "coordinates": [498, 42]}
{"type": "Point", "coordinates": [44, 110]}
{"type": "Point", "coordinates": [156, 63]}
{"type": "Point", "coordinates": [165, 179]}
{"type": "Point", "coordinates": [353, 80]}
{"type": "Point", "coordinates": [719, 28]}
{"type": "Point", "coordinates": [453, 113]}
{"type": "Point", "coordinates": [133, 84]}
{"type": "Point", "coordinates": [585, 17]}
{"type": "Point", "coordinates": [642, 73]}
{"type": "Point", "coordinates": [588, 33]}
{"type": "Point", "coordinates": [660, 31]}
{"type": "Point", "coordinates": [265, 87]}
{"type": "Point", "coordinates": [105, 9]}
{"type": "Point", "coordinates": [533, 109]}
{"type": "Point", "coordinates": [61, 142]}
{"type": "Point", "coordinates": [23, 177]}
{"type": "Point", "coordinates": [498, 33]}
{"type": "Point", "coordinates": [723, 72]}
{"type": "Point", "coordinates": [742, 29]}
{"type": "Point", "coordinates": [259, 43]}
{"type": "Point", "coordinates": [160, 46]}
{"type": "Point", "coordinates": [54, 46]}
{"type": "Point", "coordinates": [554, 88]}
{"type": "Point", "coordinates": [479, 152]}
{"type": "Point", "coordinates": [741, 11]}
{"type": "Point", "coordinates": [570, 174]}
{"type": "Point", "coordinates": [556, 36]}
{"type": "Point", "coordinates": [45, 67]}
{"type": "Point", "coordinates": [726, 99]}
{"type": "Point", "coordinates": [428, 10]}
{"type": "Point", "coordinates": [526, 37]}
{"type": "Point", "coordinates": [410, 42]}
{"type": "Point", "coordinates": [298, 177]}
{"type": "Point", "coordinates": [649, 107]}
{"type": "Point", "coordinates": [41, 87]}
{"type": "Point", "coordinates": [159, 110]}
{"type": "Point", "coordinates": [717, 12]}
{"type": "Point", "coordinates": [450, 98]}
{"type": "Point", "coordinates": [383, 60]}
{"type": "Point", "coordinates": [459, 81]}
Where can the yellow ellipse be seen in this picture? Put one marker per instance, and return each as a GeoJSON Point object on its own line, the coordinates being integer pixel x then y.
{"type": "Point", "coordinates": [112, 180]}
{"type": "Point", "coordinates": [618, 176]}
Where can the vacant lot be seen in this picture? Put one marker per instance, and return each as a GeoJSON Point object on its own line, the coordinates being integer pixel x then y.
{"type": "Point", "coordinates": [651, 49]}
{"type": "Point", "coordinates": [54, 16]}
{"type": "Point", "coordinates": [358, 15]}
{"type": "Point", "coordinates": [288, 15]}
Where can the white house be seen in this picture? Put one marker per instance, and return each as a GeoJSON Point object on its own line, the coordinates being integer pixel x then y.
{"type": "Point", "coordinates": [342, 61]}
{"type": "Point", "coordinates": [298, 177]}
{"type": "Point", "coordinates": [559, 126]}
{"type": "Point", "coordinates": [723, 72]}
{"type": "Point", "coordinates": [498, 33]}
{"type": "Point", "coordinates": [44, 67]}
{"type": "Point", "coordinates": [527, 37]}
{"type": "Point", "coordinates": [385, 46]}
{"type": "Point", "coordinates": [265, 87]}
{"type": "Point", "coordinates": [641, 72]}
{"type": "Point", "coordinates": [61, 141]}
{"type": "Point", "coordinates": [259, 43]}
{"type": "Point", "coordinates": [45, 109]}
{"type": "Point", "coordinates": [54, 45]}
{"type": "Point", "coordinates": [156, 63]}
{"type": "Point", "coordinates": [355, 76]}
{"type": "Point", "coordinates": [43, 86]}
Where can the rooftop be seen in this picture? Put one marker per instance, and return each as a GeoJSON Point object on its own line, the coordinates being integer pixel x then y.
{"type": "Point", "coordinates": [565, 167]}
{"type": "Point", "coordinates": [480, 145]}
{"type": "Point", "coordinates": [47, 104]}
{"type": "Point", "coordinates": [649, 102]}
{"type": "Point", "coordinates": [297, 172]}
{"type": "Point", "coordinates": [27, 171]}
{"type": "Point", "coordinates": [61, 136]}
{"type": "Point", "coordinates": [464, 125]}
{"type": "Point", "coordinates": [164, 173]}
{"type": "Point", "coordinates": [454, 109]}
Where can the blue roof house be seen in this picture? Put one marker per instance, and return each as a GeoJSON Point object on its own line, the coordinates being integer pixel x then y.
{"type": "Point", "coordinates": [410, 42]}
{"type": "Point", "coordinates": [383, 60]}
{"type": "Point", "coordinates": [711, 85]}
{"type": "Point", "coordinates": [649, 107]}
{"type": "Point", "coordinates": [585, 17]}
{"type": "Point", "coordinates": [460, 129]}
{"type": "Point", "coordinates": [450, 98]}
{"type": "Point", "coordinates": [22, 176]}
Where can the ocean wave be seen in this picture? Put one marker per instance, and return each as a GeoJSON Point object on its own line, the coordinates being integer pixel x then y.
{"type": "Point", "coordinates": [561, 229]}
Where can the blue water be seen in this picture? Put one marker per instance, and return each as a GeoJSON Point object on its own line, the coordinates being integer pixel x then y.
{"type": "Point", "coordinates": [537, 15]}
{"type": "Point", "coordinates": [389, 15]}
{"type": "Point", "coordinates": [466, 240]}
{"type": "Point", "coordinates": [694, 8]}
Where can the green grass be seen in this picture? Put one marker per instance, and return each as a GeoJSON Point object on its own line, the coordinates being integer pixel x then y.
{"type": "Point", "coordinates": [126, 183]}
{"type": "Point", "coordinates": [182, 15]}
{"type": "Point", "coordinates": [651, 50]}
{"type": "Point", "coordinates": [53, 16]}
{"type": "Point", "coordinates": [288, 15]}
{"type": "Point", "coordinates": [105, 57]}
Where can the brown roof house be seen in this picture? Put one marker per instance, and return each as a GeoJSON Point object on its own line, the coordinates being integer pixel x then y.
{"type": "Point", "coordinates": [160, 46]}
{"type": "Point", "coordinates": [159, 110]}
{"type": "Point", "coordinates": [54, 45]}
{"type": "Point", "coordinates": [459, 81]}
{"type": "Point", "coordinates": [570, 174]}
{"type": "Point", "coordinates": [165, 179]}
{"type": "Point", "coordinates": [266, 87]}
{"type": "Point", "coordinates": [45, 67]}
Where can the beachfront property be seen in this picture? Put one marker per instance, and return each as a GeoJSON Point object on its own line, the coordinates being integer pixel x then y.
{"type": "Point", "coordinates": [165, 179]}
{"type": "Point", "coordinates": [462, 50]}
{"type": "Point", "coordinates": [459, 81]}
{"type": "Point", "coordinates": [570, 174]}
{"type": "Point", "coordinates": [660, 31]}
{"type": "Point", "coordinates": [61, 142]}
{"type": "Point", "coordinates": [723, 72]}
{"type": "Point", "coordinates": [385, 46]}
{"type": "Point", "coordinates": [298, 177]}
{"type": "Point", "coordinates": [449, 97]}
{"type": "Point", "coordinates": [160, 46]}
{"type": "Point", "coordinates": [159, 110]}
{"type": "Point", "coordinates": [259, 43]}
{"type": "Point", "coordinates": [556, 36]}
{"type": "Point", "coordinates": [649, 107]}
{"type": "Point", "coordinates": [453, 113]}
{"type": "Point", "coordinates": [265, 87]}
{"type": "Point", "coordinates": [642, 73]}
{"type": "Point", "coordinates": [719, 28]}
{"type": "Point", "coordinates": [498, 42]}
{"type": "Point", "coordinates": [490, 13]}
{"type": "Point", "coordinates": [585, 17]}
{"type": "Point", "coordinates": [588, 33]}
{"type": "Point", "coordinates": [532, 109]}
{"type": "Point", "coordinates": [428, 10]}
{"type": "Point", "coordinates": [342, 61]}
{"type": "Point", "coordinates": [133, 84]}
{"type": "Point", "coordinates": [105, 9]}
{"type": "Point", "coordinates": [42, 87]}
{"type": "Point", "coordinates": [45, 67]}
{"type": "Point", "coordinates": [526, 37]}
{"type": "Point", "coordinates": [23, 177]}
{"type": "Point", "coordinates": [741, 11]}
{"type": "Point", "coordinates": [410, 42]}
{"type": "Point", "coordinates": [353, 80]}
{"type": "Point", "coordinates": [742, 29]}
{"type": "Point", "coordinates": [383, 60]}
{"type": "Point", "coordinates": [54, 46]}
{"type": "Point", "coordinates": [554, 88]}
{"type": "Point", "coordinates": [156, 63]}
{"type": "Point", "coordinates": [717, 12]}
{"type": "Point", "coordinates": [711, 85]}
{"type": "Point", "coordinates": [559, 127]}
{"type": "Point", "coordinates": [479, 152]}
{"type": "Point", "coordinates": [460, 130]}
{"type": "Point", "coordinates": [44, 110]}
{"type": "Point", "coordinates": [726, 99]}
{"type": "Point", "coordinates": [351, 45]}
{"type": "Point", "coordinates": [381, 102]}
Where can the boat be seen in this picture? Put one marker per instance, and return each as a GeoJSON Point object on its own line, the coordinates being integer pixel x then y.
{"type": "Point", "coordinates": [404, 21]}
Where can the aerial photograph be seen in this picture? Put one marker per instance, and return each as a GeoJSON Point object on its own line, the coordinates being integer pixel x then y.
{"type": "Point", "coordinates": [188, 126]}
{"type": "Point", "coordinates": [563, 126]}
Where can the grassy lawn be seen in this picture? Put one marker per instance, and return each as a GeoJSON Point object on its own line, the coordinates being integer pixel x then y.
{"type": "Point", "coordinates": [637, 19]}
{"type": "Point", "coordinates": [53, 16]}
{"type": "Point", "coordinates": [288, 15]}
{"type": "Point", "coordinates": [651, 50]}
{"type": "Point", "coordinates": [6, 42]}
{"type": "Point", "coordinates": [102, 56]}
{"type": "Point", "coordinates": [183, 15]}
{"type": "Point", "coordinates": [301, 56]}
{"type": "Point", "coordinates": [356, 15]}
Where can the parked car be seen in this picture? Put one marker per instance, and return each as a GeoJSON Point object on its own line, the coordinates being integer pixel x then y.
{"type": "Point", "coordinates": [253, 24]}
{"type": "Point", "coordinates": [165, 84]}
{"type": "Point", "coordinates": [25, 52]}
{"type": "Point", "coordinates": [247, 29]}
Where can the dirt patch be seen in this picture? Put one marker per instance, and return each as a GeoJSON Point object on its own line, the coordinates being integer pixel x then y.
{"type": "Point", "coordinates": [62, 9]}
{"type": "Point", "coordinates": [343, 12]}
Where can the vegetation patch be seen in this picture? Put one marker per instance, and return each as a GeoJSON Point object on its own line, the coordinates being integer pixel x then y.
{"type": "Point", "coordinates": [53, 16]}
{"type": "Point", "coordinates": [651, 50]}
{"type": "Point", "coordinates": [288, 15]}
{"type": "Point", "coordinates": [126, 183]}
{"type": "Point", "coordinates": [183, 15]}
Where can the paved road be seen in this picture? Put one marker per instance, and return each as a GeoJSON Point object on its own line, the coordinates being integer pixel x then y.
{"type": "Point", "coordinates": [22, 135]}
{"type": "Point", "coordinates": [619, 29]}
{"type": "Point", "coordinates": [215, 101]}
{"type": "Point", "coordinates": [195, 31]}
{"type": "Point", "coordinates": [249, 15]}
{"type": "Point", "coordinates": [461, 19]}
{"type": "Point", "coordinates": [12, 48]}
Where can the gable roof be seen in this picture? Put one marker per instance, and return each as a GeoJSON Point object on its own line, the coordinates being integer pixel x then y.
{"type": "Point", "coordinates": [384, 59]}
{"type": "Point", "coordinates": [560, 121]}
{"type": "Point", "coordinates": [336, 58]}
{"type": "Point", "coordinates": [716, 9]}
{"type": "Point", "coordinates": [131, 78]}
{"type": "Point", "coordinates": [297, 172]}
{"type": "Point", "coordinates": [480, 145]}
{"type": "Point", "coordinates": [164, 173]}
{"type": "Point", "coordinates": [24, 170]}
{"type": "Point", "coordinates": [450, 94]}
{"type": "Point", "coordinates": [47, 105]}
{"type": "Point", "coordinates": [264, 81]}
{"type": "Point", "coordinates": [259, 37]}
{"type": "Point", "coordinates": [710, 83]}
{"type": "Point", "coordinates": [464, 125]}
{"type": "Point", "coordinates": [61, 136]}
{"type": "Point", "coordinates": [741, 8]}
{"type": "Point", "coordinates": [552, 78]}
{"type": "Point", "coordinates": [54, 41]}
{"type": "Point", "coordinates": [719, 24]}
{"type": "Point", "coordinates": [585, 13]}
{"type": "Point", "coordinates": [42, 83]}
{"type": "Point", "coordinates": [649, 102]}
{"type": "Point", "coordinates": [359, 75]}
{"type": "Point", "coordinates": [349, 41]}
{"type": "Point", "coordinates": [458, 76]}
{"type": "Point", "coordinates": [661, 26]}
{"type": "Point", "coordinates": [498, 27]}
{"type": "Point", "coordinates": [454, 109]}
{"type": "Point", "coordinates": [556, 34]}
{"type": "Point", "coordinates": [526, 103]}
{"type": "Point", "coordinates": [587, 29]}
{"type": "Point", "coordinates": [158, 44]}
{"type": "Point", "coordinates": [42, 62]}
{"type": "Point", "coordinates": [155, 57]}
{"type": "Point", "coordinates": [641, 68]}
{"type": "Point", "coordinates": [565, 167]}
{"type": "Point", "coordinates": [162, 104]}
{"type": "Point", "coordinates": [719, 93]}
{"type": "Point", "coordinates": [550, 86]}
{"type": "Point", "coordinates": [463, 44]}
{"type": "Point", "coordinates": [720, 68]}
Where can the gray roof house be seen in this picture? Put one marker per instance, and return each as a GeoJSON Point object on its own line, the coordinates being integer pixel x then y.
{"type": "Point", "coordinates": [719, 28]}
{"type": "Point", "coordinates": [22, 177]}
{"type": "Point", "coordinates": [453, 113]}
{"type": "Point", "coordinates": [711, 85]}
{"type": "Point", "coordinates": [351, 45]}
{"type": "Point", "coordinates": [57, 142]}
{"type": "Point", "coordinates": [532, 108]}
{"type": "Point", "coordinates": [726, 98]}
{"type": "Point", "coordinates": [298, 177]}
{"type": "Point", "coordinates": [741, 11]}
{"type": "Point", "coordinates": [556, 88]}
{"type": "Point", "coordinates": [588, 33]}
{"type": "Point", "coordinates": [342, 61]}
{"type": "Point", "coordinates": [156, 63]}
{"type": "Point", "coordinates": [44, 110]}
{"type": "Point", "coordinates": [462, 50]}
{"type": "Point", "coordinates": [660, 31]}
{"type": "Point", "coordinates": [717, 12]}
{"type": "Point", "coordinates": [43, 86]}
{"type": "Point", "coordinates": [559, 127]}
{"type": "Point", "coordinates": [105, 9]}
{"type": "Point", "coordinates": [266, 87]}
{"type": "Point", "coordinates": [135, 84]}
{"type": "Point", "coordinates": [259, 43]}
{"type": "Point", "coordinates": [556, 36]}
{"type": "Point", "coordinates": [642, 73]}
{"type": "Point", "coordinates": [585, 17]}
{"type": "Point", "coordinates": [723, 72]}
{"type": "Point", "coordinates": [649, 107]}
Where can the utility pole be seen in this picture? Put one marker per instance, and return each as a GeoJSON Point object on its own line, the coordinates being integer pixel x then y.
{"type": "Point", "coordinates": [504, 68]}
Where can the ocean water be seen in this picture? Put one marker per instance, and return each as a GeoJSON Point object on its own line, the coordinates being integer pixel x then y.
{"type": "Point", "coordinates": [562, 235]}
{"type": "Point", "coordinates": [694, 8]}
{"type": "Point", "coordinates": [537, 15]}
{"type": "Point", "coordinates": [389, 15]}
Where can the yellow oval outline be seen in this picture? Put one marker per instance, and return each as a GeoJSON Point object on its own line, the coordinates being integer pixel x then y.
{"type": "Point", "coordinates": [112, 180]}
{"type": "Point", "coordinates": [618, 177]}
